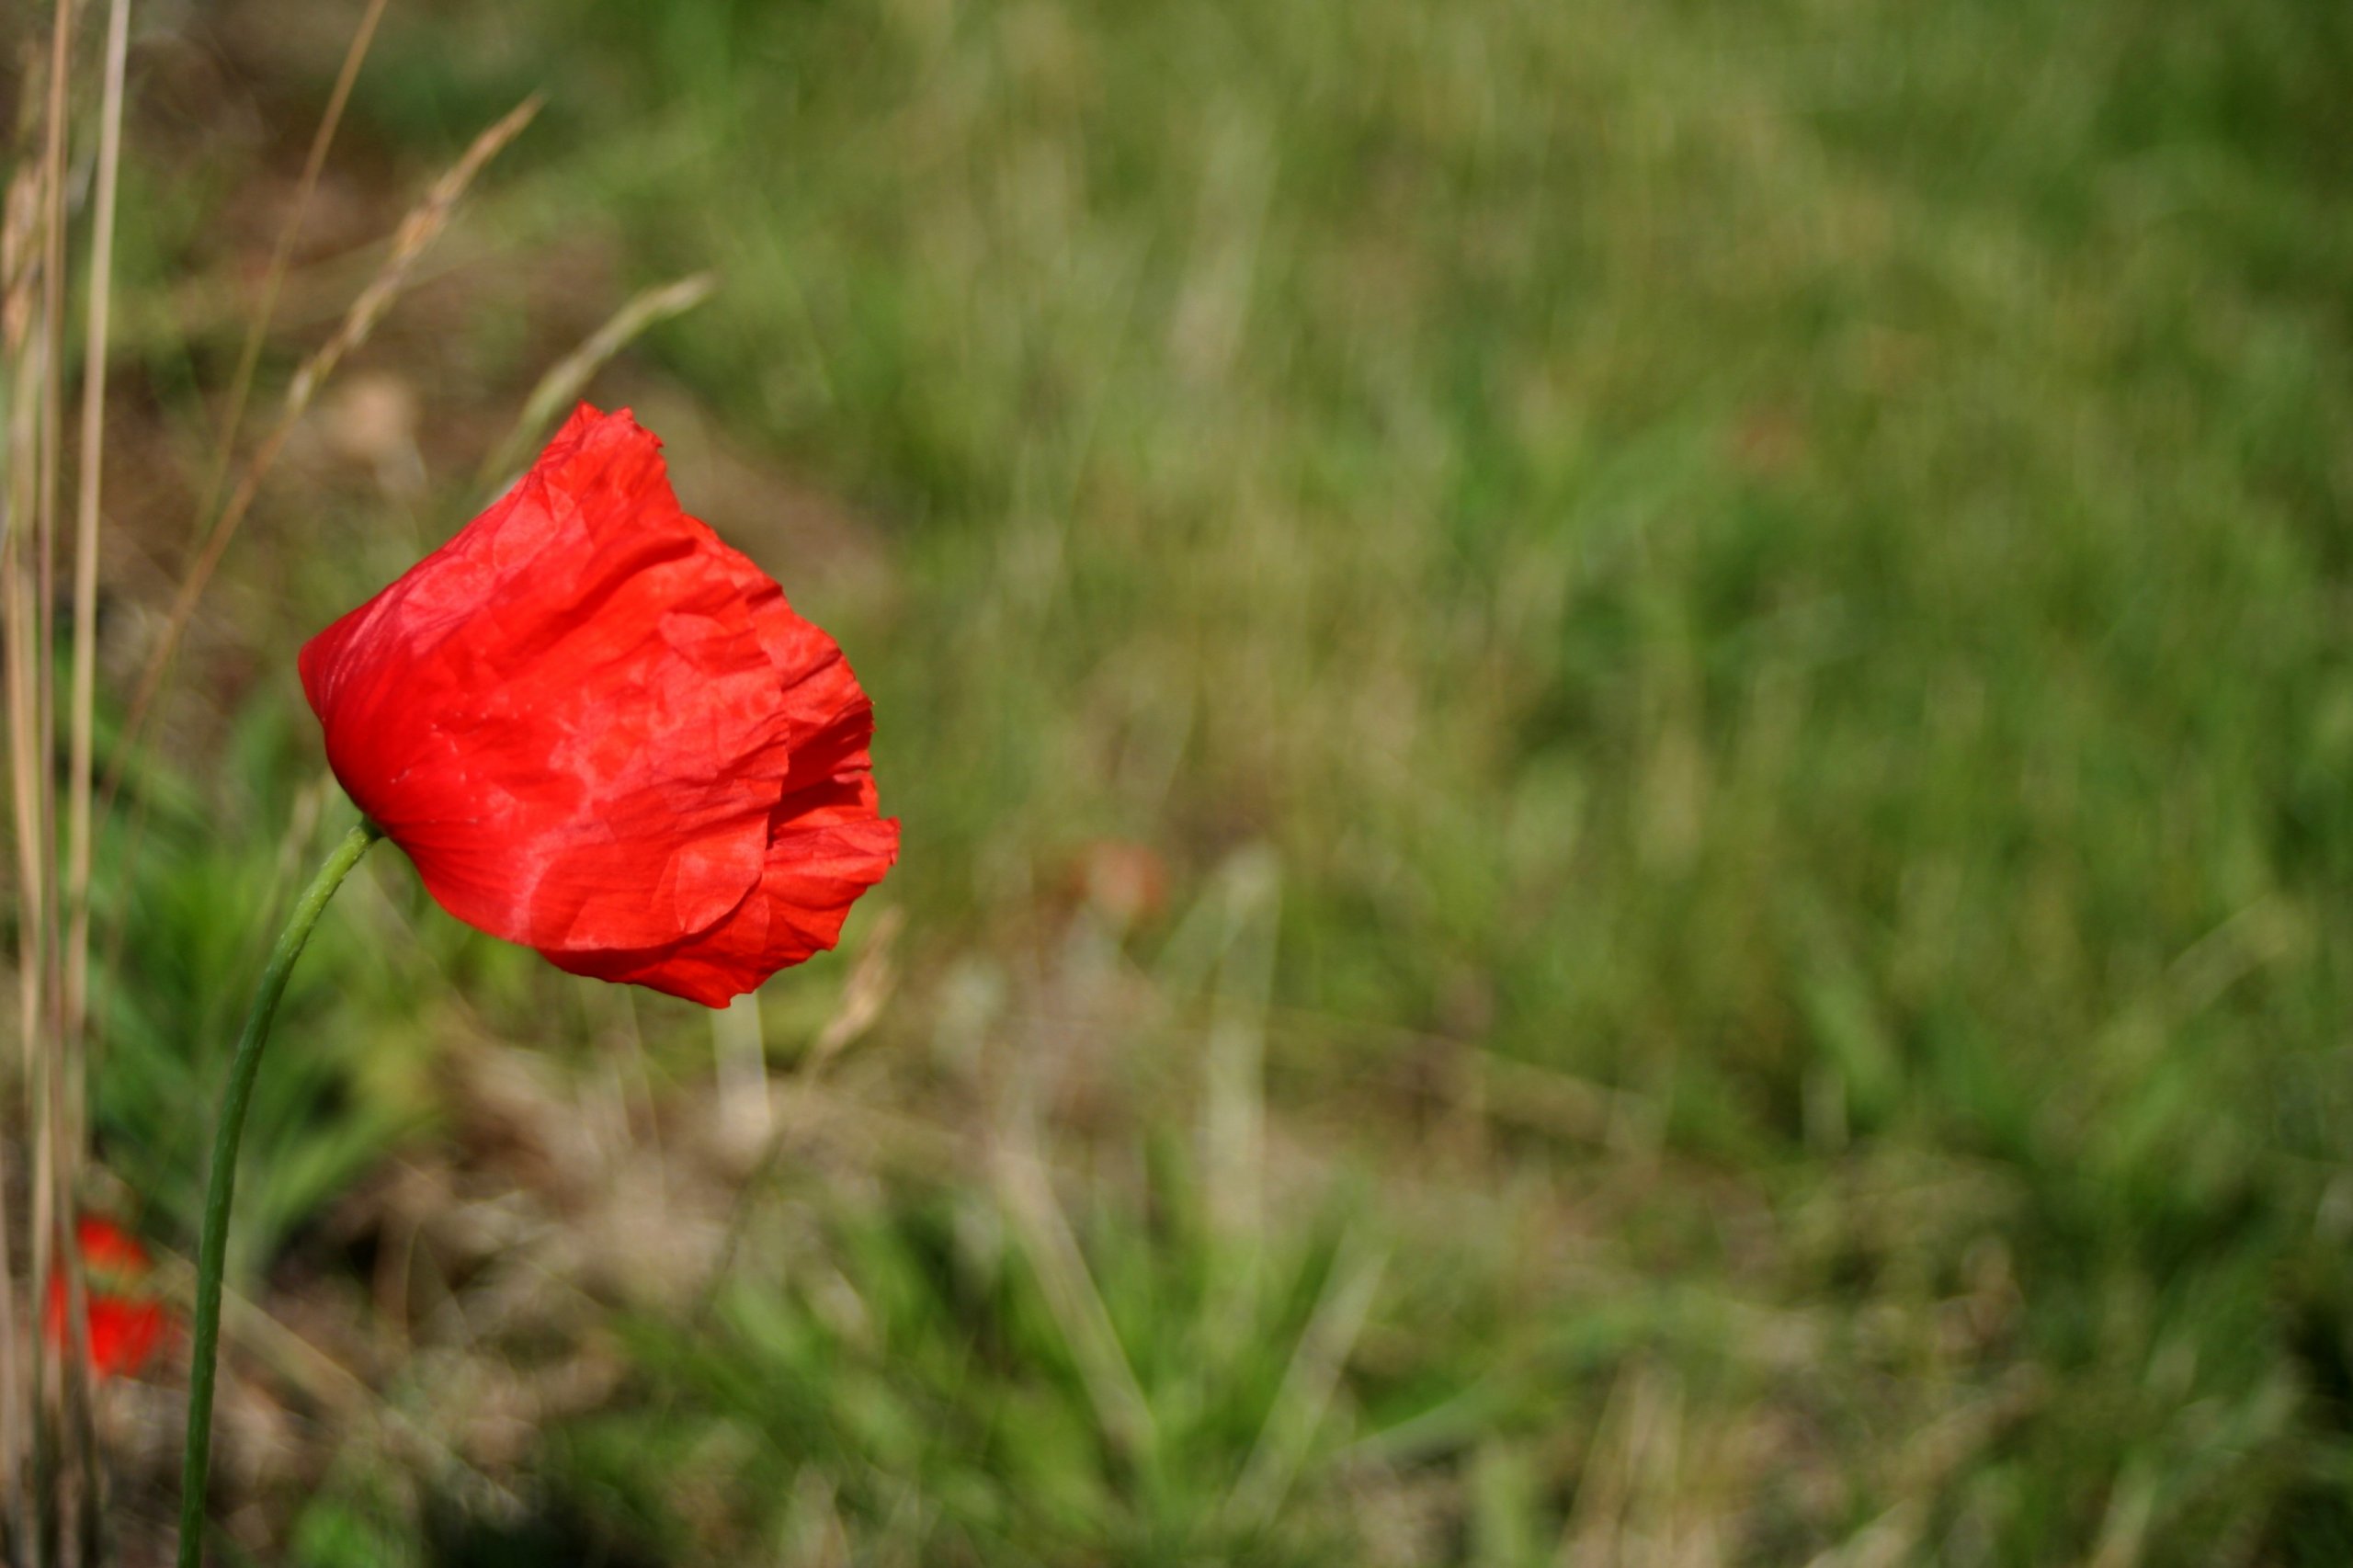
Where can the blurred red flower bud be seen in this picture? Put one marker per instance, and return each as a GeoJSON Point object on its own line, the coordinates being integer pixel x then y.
{"type": "Point", "coordinates": [1129, 882]}
{"type": "Point", "coordinates": [110, 1252]}
{"type": "Point", "coordinates": [601, 733]}
{"type": "Point", "coordinates": [125, 1328]}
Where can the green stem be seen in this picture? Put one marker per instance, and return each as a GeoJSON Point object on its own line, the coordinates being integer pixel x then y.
{"type": "Point", "coordinates": [213, 1252]}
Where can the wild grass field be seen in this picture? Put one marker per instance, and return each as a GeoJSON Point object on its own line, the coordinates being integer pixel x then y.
{"type": "Point", "coordinates": [1625, 732]}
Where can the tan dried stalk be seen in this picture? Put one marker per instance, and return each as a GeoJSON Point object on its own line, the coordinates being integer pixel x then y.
{"type": "Point", "coordinates": [423, 225]}
{"type": "Point", "coordinates": [567, 376]}
{"type": "Point", "coordinates": [86, 535]}
{"type": "Point", "coordinates": [18, 230]}
{"type": "Point", "coordinates": [48, 1409]}
{"type": "Point", "coordinates": [72, 1094]}
{"type": "Point", "coordinates": [59, 1397]}
{"type": "Point", "coordinates": [47, 1425]}
{"type": "Point", "coordinates": [258, 328]}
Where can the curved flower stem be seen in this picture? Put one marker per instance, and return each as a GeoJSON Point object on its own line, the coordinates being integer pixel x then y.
{"type": "Point", "coordinates": [213, 1253]}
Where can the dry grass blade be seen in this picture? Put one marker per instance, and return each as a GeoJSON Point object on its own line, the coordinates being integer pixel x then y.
{"type": "Point", "coordinates": [872, 978]}
{"type": "Point", "coordinates": [411, 241]}
{"type": "Point", "coordinates": [1026, 1194]}
{"type": "Point", "coordinates": [1305, 1392]}
{"type": "Point", "coordinates": [1637, 1449]}
{"type": "Point", "coordinates": [86, 528]}
{"type": "Point", "coordinates": [258, 328]}
{"type": "Point", "coordinates": [1888, 1541]}
{"type": "Point", "coordinates": [72, 1087]}
{"type": "Point", "coordinates": [17, 230]}
{"type": "Point", "coordinates": [62, 1500]}
{"type": "Point", "coordinates": [424, 224]}
{"type": "Point", "coordinates": [740, 1063]}
{"type": "Point", "coordinates": [1234, 1112]}
{"type": "Point", "coordinates": [564, 379]}
{"type": "Point", "coordinates": [49, 1418]}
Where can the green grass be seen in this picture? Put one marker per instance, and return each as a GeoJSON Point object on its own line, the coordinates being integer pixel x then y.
{"type": "Point", "coordinates": [1731, 621]}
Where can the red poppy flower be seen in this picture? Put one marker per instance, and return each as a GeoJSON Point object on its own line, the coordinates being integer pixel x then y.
{"type": "Point", "coordinates": [601, 733]}
{"type": "Point", "coordinates": [125, 1328]}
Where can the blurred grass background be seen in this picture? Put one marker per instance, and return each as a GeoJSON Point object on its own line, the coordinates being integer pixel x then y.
{"type": "Point", "coordinates": [1623, 731]}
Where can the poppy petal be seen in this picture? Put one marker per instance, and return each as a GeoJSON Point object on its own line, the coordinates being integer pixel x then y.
{"type": "Point", "coordinates": [565, 716]}
{"type": "Point", "coordinates": [600, 731]}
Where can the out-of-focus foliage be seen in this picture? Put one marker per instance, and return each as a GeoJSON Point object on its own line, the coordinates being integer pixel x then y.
{"type": "Point", "coordinates": [1758, 588]}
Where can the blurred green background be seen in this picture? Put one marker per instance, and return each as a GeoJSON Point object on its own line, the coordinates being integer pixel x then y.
{"type": "Point", "coordinates": [1624, 731]}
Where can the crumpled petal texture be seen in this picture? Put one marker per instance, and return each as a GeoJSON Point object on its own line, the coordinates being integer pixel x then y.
{"type": "Point", "coordinates": [601, 733]}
